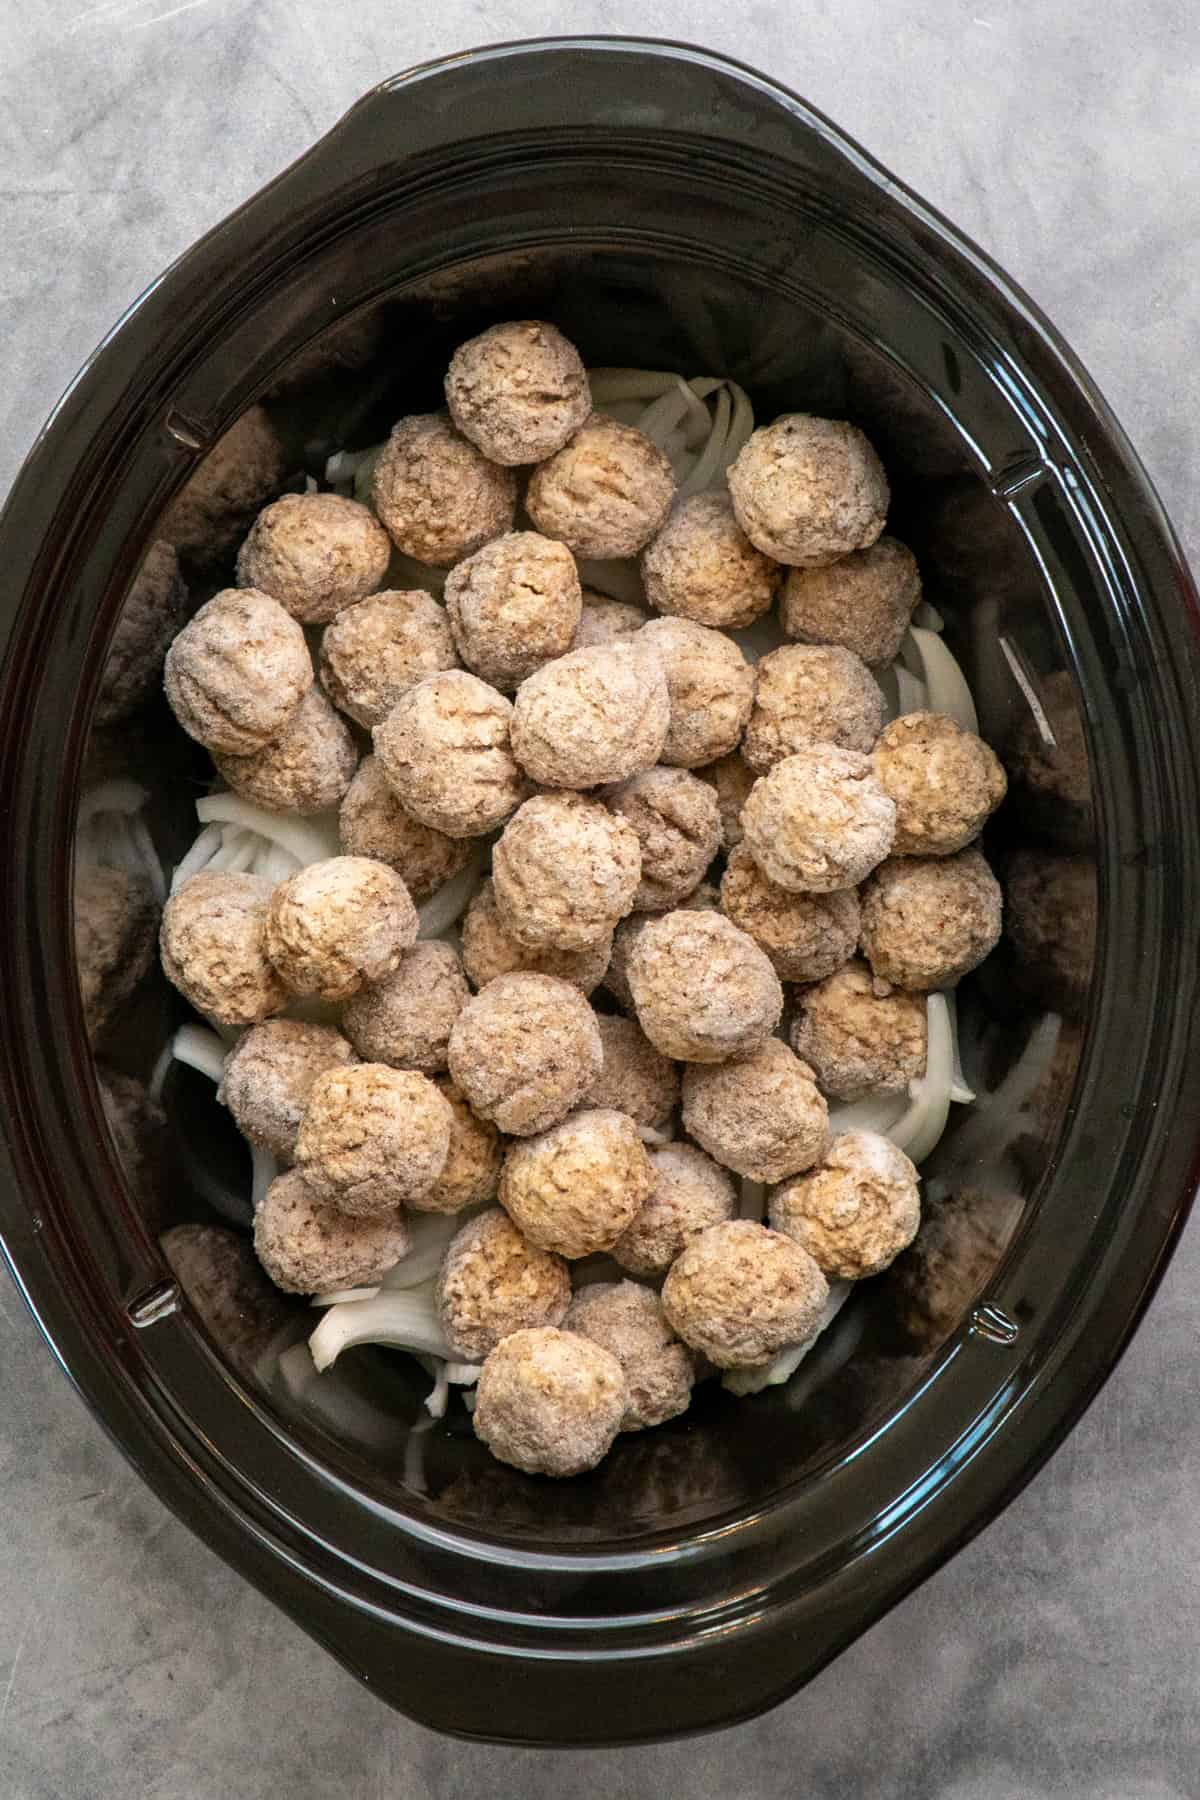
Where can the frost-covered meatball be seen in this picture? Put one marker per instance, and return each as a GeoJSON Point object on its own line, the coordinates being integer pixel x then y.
{"type": "Point", "coordinates": [550, 1402]}
{"type": "Point", "coordinates": [808, 490]}
{"type": "Point", "coordinates": [444, 749]}
{"type": "Point", "coordinates": [810, 694]}
{"type": "Point", "coordinates": [636, 1079]}
{"type": "Point", "coordinates": [221, 496]}
{"type": "Point", "coordinates": [678, 827]}
{"type": "Point", "coordinates": [514, 605]}
{"type": "Point", "coordinates": [592, 716]}
{"type": "Point", "coordinates": [518, 391]}
{"type": "Point", "coordinates": [732, 778]}
{"type": "Point", "coordinates": [155, 608]}
{"type": "Point", "coordinates": [627, 1319]}
{"type": "Point", "coordinates": [864, 601]}
{"type": "Point", "coordinates": [471, 1173]}
{"type": "Point", "coordinates": [1054, 779]}
{"type": "Point", "coordinates": [928, 921]}
{"type": "Point", "coordinates": [711, 689]}
{"type": "Point", "coordinates": [213, 944]}
{"type": "Point", "coordinates": [857, 1041]}
{"type": "Point", "coordinates": [605, 493]}
{"type": "Point", "coordinates": [375, 651]}
{"type": "Point", "coordinates": [705, 898]}
{"type": "Point", "coordinates": [372, 822]}
{"type": "Point", "coordinates": [308, 1246]}
{"type": "Point", "coordinates": [1050, 920]}
{"type": "Point", "coordinates": [564, 871]}
{"type": "Point", "coordinates": [575, 1188]}
{"type": "Point", "coordinates": [305, 769]}
{"type": "Point", "coordinates": [524, 1051]}
{"type": "Point", "coordinates": [818, 821]}
{"type": "Point", "coordinates": [806, 936]}
{"type": "Point", "coordinates": [373, 1138]}
{"type": "Point", "coordinates": [602, 620]}
{"type": "Point", "coordinates": [760, 1115]}
{"type": "Point", "coordinates": [489, 949]}
{"type": "Point", "coordinates": [739, 1292]}
{"type": "Point", "coordinates": [494, 1282]}
{"type": "Point", "coordinates": [856, 1211]}
{"type": "Point", "coordinates": [701, 988]}
{"type": "Point", "coordinates": [338, 923]}
{"type": "Point", "coordinates": [406, 1019]}
{"type": "Point", "coordinates": [703, 567]}
{"type": "Point", "coordinates": [269, 1075]}
{"type": "Point", "coordinates": [237, 672]}
{"type": "Point", "coordinates": [438, 498]}
{"type": "Point", "coordinates": [116, 921]}
{"type": "Point", "coordinates": [946, 783]}
{"type": "Point", "coordinates": [315, 554]}
{"type": "Point", "coordinates": [689, 1192]}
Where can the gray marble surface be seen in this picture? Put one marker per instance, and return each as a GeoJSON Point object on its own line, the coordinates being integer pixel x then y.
{"type": "Point", "coordinates": [1060, 1654]}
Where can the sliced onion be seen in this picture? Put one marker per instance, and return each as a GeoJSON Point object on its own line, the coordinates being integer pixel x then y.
{"type": "Point", "coordinates": [266, 1170]}
{"type": "Point", "coordinates": [402, 1320]}
{"type": "Point", "coordinates": [344, 1296]}
{"type": "Point", "coordinates": [945, 683]}
{"type": "Point", "coordinates": [428, 1235]}
{"type": "Point", "coordinates": [198, 857]}
{"type": "Point", "coordinates": [308, 840]}
{"type": "Point", "coordinates": [925, 1119]}
{"type": "Point", "coordinates": [450, 902]}
{"type": "Point", "coordinates": [709, 464]}
{"type": "Point", "coordinates": [200, 1049]}
{"type": "Point", "coordinates": [878, 1112]}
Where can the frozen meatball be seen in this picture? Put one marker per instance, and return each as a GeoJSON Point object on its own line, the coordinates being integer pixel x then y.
{"type": "Point", "coordinates": [703, 567]}
{"type": "Point", "coordinates": [701, 988]}
{"type": "Point", "coordinates": [858, 1041]}
{"type": "Point", "coordinates": [338, 923]}
{"type": "Point", "coordinates": [627, 1319]}
{"type": "Point", "coordinates": [564, 871]}
{"type": "Point", "coordinates": [116, 920]}
{"type": "Point", "coordinates": [688, 1193]}
{"type": "Point", "coordinates": [856, 1211]}
{"type": "Point", "coordinates": [494, 1282]}
{"type": "Point", "coordinates": [1050, 921]}
{"type": "Point", "coordinates": [489, 949]}
{"type": "Point", "coordinates": [471, 1173]}
{"type": "Point", "coordinates": [806, 936]}
{"type": "Point", "coordinates": [602, 621]}
{"type": "Point", "coordinates": [438, 498]}
{"type": "Point", "coordinates": [375, 651]}
{"type": "Point", "coordinates": [760, 1116]}
{"type": "Point", "coordinates": [819, 821]}
{"type": "Point", "coordinates": [575, 1188]}
{"type": "Point", "coordinates": [237, 672]}
{"type": "Point", "coordinates": [372, 823]}
{"type": "Point", "coordinates": [550, 1402]}
{"type": "Point", "coordinates": [605, 493]}
{"type": "Point", "coordinates": [306, 769]}
{"type": "Point", "coordinates": [514, 605]}
{"type": "Point", "coordinates": [308, 1246]}
{"type": "Point", "coordinates": [739, 1292]}
{"type": "Point", "coordinates": [635, 1079]}
{"type": "Point", "coordinates": [213, 944]}
{"type": "Point", "coordinates": [445, 752]}
{"type": "Point", "coordinates": [808, 490]}
{"type": "Point", "coordinates": [1055, 779]}
{"type": "Point", "coordinates": [406, 1019]}
{"type": "Point", "coordinates": [810, 694]}
{"type": "Point", "coordinates": [221, 496]}
{"type": "Point", "coordinates": [616, 977]}
{"type": "Point", "coordinates": [524, 1051]}
{"type": "Point", "coordinates": [269, 1075]}
{"type": "Point", "coordinates": [945, 781]}
{"type": "Point", "coordinates": [678, 827]}
{"type": "Point", "coordinates": [373, 1138]}
{"type": "Point", "coordinates": [710, 685]}
{"type": "Point", "coordinates": [928, 921]}
{"type": "Point", "coordinates": [518, 391]}
{"type": "Point", "coordinates": [155, 608]}
{"type": "Point", "coordinates": [592, 716]}
{"type": "Point", "coordinates": [864, 601]}
{"type": "Point", "coordinates": [732, 778]}
{"type": "Point", "coordinates": [315, 554]}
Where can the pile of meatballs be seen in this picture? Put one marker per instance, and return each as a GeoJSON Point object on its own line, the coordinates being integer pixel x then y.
{"type": "Point", "coordinates": [719, 892]}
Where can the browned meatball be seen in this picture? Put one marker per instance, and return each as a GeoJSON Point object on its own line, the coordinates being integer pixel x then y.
{"type": "Point", "coordinates": [635, 1079]}
{"type": "Point", "coordinates": [945, 781]}
{"type": "Point", "coordinates": [305, 769]}
{"type": "Point", "coordinates": [702, 989]}
{"type": "Point", "coordinates": [809, 695]}
{"type": "Point", "coordinates": [564, 871]}
{"type": "Point", "coordinates": [806, 936]}
{"type": "Point", "coordinates": [489, 949]}
{"type": "Point", "coordinates": [689, 1192]}
{"type": "Point", "coordinates": [373, 1138]}
{"type": "Point", "coordinates": [494, 1282]}
{"type": "Point", "coordinates": [315, 554]}
{"type": "Point", "coordinates": [308, 1246]}
{"type": "Point", "coordinates": [928, 921]}
{"type": "Point", "coordinates": [592, 716]}
{"type": "Point", "coordinates": [550, 1402]}
{"type": "Point", "coordinates": [616, 977]}
{"type": "Point", "coordinates": [213, 944]}
{"type": "Point", "coordinates": [518, 391]}
{"type": "Point", "coordinates": [471, 1173]}
{"type": "Point", "coordinates": [856, 1211]}
{"type": "Point", "coordinates": [221, 496]}
{"type": "Point", "coordinates": [602, 620]}
{"type": "Point", "coordinates": [702, 566]}
{"type": "Point", "coordinates": [710, 685]}
{"type": "Point", "coordinates": [808, 490]}
{"type": "Point", "coordinates": [818, 821]}
{"type": "Point", "coordinates": [857, 1041]}
{"type": "Point", "coordinates": [406, 1019]}
{"type": "Point", "coordinates": [675, 818]}
{"type": "Point", "coordinates": [576, 1187]}
{"type": "Point", "coordinates": [269, 1075]}
{"type": "Point", "coordinates": [375, 651]}
{"type": "Point", "coordinates": [373, 823]}
{"type": "Point", "coordinates": [864, 601]}
{"type": "Point", "coordinates": [235, 675]}
{"type": "Point", "coordinates": [438, 498]}
{"type": "Point", "coordinates": [154, 610]}
{"type": "Point", "coordinates": [524, 1051]}
{"type": "Point", "coordinates": [116, 921]}
{"type": "Point", "coordinates": [446, 753]}
{"type": "Point", "coordinates": [605, 493]}
{"type": "Point", "coordinates": [338, 923]}
{"type": "Point", "coordinates": [738, 1293]}
{"type": "Point", "coordinates": [732, 778]}
{"type": "Point", "coordinates": [627, 1319]}
{"type": "Point", "coordinates": [514, 605]}
{"type": "Point", "coordinates": [760, 1115]}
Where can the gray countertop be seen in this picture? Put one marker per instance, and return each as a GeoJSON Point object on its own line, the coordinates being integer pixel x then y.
{"type": "Point", "coordinates": [1059, 1655]}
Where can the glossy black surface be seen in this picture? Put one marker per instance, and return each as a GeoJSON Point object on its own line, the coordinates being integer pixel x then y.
{"type": "Point", "coordinates": [667, 209]}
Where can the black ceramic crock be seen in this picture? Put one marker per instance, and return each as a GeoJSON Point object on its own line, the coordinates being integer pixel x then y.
{"type": "Point", "coordinates": [669, 209]}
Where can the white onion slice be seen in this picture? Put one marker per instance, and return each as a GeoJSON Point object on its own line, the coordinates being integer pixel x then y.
{"type": "Point", "coordinates": [309, 840]}
{"type": "Point", "coordinates": [945, 683]}
{"type": "Point", "coordinates": [445, 907]}
{"type": "Point", "coordinates": [200, 1049]}
{"type": "Point", "coordinates": [344, 1296]}
{"type": "Point", "coordinates": [403, 1320]}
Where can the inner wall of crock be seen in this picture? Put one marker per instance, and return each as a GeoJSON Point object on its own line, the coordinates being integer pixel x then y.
{"type": "Point", "coordinates": [1021, 1017]}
